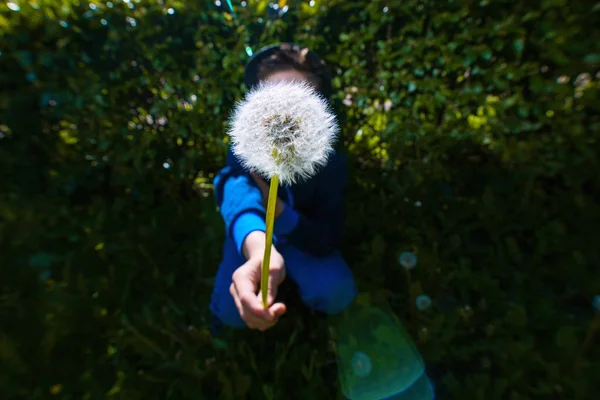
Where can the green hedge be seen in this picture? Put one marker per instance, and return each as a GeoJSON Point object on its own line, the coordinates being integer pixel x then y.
{"type": "Point", "coordinates": [472, 128]}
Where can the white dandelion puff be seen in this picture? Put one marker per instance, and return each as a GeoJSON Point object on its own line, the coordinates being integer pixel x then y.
{"type": "Point", "coordinates": [283, 129]}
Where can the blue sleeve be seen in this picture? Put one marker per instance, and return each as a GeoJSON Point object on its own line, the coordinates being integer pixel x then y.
{"type": "Point", "coordinates": [240, 202]}
{"type": "Point", "coordinates": [318, 234]}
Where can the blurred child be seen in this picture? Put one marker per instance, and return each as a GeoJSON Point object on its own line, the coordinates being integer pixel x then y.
{"type": "Point", "coordinates": [308, 225]}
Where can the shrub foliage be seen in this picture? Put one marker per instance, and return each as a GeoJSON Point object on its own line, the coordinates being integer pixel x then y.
{"type": "Point", "coordinates": [472, 129]}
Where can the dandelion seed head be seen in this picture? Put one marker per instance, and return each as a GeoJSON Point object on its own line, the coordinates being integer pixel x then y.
{"type": "Point", "coordinates": [284, 129]}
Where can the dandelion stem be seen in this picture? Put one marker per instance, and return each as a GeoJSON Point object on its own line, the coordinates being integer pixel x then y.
{"type": "Point", "coordinates": [264, 279]}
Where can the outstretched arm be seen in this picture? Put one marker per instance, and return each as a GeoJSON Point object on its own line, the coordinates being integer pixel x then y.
{"type": "Point", "coordinates": [240, 202]}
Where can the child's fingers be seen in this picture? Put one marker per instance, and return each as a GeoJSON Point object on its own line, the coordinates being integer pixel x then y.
{"type": "Point", "coordinates": [278, 309]}
{"type": "Point", "coordinates": [250, 301]}
{"type": "Point", "coordinates": [248, 316]}
{"type": "Point", "coordinates": [275, 279]}
{"type": "Point", "coordinates": [275, 312]}
{"type": "Point", "coordinates": [272, 312]}
{"type": "Point", "coordinates": [246, 286]}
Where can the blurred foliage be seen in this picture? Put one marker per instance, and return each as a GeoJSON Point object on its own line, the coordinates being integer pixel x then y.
{"type": "Point", "coordinates": [472, 128]}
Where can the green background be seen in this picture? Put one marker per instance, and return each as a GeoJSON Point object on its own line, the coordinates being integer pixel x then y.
{"type": "Point", "coordinates": [472, 130]}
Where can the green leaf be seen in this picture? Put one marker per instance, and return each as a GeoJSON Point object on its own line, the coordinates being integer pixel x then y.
{"type": "Point", "coordinates": [517, 316]}
{"type": "Point", "coordinates": [518, 45]}
{"type": "Point", "coordinates": [220, 344]}
{"type": "Point", "coordinates": [593, 58]}
{"type": "Point", "coordinates": [243, 383]}
{"type": "Point", "coordinates": [566, 339]}
{"type": "Point", "coordinates": [513, 249]}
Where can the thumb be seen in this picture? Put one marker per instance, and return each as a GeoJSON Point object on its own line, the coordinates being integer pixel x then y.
{"type": "Point", "coordinates": [278, 310]}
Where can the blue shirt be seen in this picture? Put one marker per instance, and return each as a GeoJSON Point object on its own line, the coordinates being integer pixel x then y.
{"type": "Point", "coordinates": [313, 215]}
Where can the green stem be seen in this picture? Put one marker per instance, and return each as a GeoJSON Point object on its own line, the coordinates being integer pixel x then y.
{"type": "Point", "coordinates": [264, 279]}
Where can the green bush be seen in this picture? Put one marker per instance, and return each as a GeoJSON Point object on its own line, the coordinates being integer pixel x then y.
{"type": "Point", "coordinates": [472, 129]}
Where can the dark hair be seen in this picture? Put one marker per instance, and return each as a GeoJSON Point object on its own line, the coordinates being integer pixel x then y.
{"type": "Point", "coordinates": [293, 57]}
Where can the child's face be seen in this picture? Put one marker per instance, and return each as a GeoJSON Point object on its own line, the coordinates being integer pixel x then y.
{"type": "Point", "coordinates": [289, 75]}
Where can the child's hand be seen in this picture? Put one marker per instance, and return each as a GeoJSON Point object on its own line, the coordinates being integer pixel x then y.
{"type": "Point", "coordinates": [264, 188]}
{"type": "Point", "coordinates": [246, 283]}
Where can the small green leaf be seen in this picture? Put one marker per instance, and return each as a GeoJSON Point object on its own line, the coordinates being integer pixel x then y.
{"type": "Point", "coordinates": [220, 344]}
{"type": "Point", "coordinates": [517, 316]}
{"type": "Point", "coordinates": [566, 339]}
{"type": "Point", "coordinates": [518, 45]}
{"type": "Point", "coordinates": [592, 58]}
